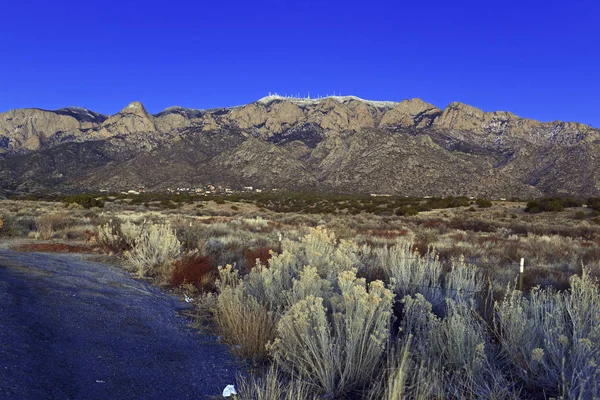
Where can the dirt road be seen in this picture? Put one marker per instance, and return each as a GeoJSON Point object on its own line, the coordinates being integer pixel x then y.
{"type": "Point", "coordinates": [77, 329]}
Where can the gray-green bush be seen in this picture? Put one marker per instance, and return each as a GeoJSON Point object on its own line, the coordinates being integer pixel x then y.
{"type": "Point", "coordinates": [330, 332]}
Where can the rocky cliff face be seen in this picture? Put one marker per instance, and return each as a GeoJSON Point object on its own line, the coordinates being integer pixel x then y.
{"type": "Point", "coordinates": [336, 144]}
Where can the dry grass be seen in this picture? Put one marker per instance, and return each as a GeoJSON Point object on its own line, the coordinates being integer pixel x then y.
{"type": "Point", "coordinates": [370, 306]}
{"type": "Point", "coordinates": [243, 321]}
{"type": "Point", "coordinates": [50, 224]}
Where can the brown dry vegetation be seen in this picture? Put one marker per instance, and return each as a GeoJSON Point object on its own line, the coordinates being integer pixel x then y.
{"type": "Point", "coordinates": [53, 248]}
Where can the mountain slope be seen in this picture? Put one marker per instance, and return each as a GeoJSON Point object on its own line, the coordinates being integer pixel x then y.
{"type": "Point", "coordinates": [342, 144]}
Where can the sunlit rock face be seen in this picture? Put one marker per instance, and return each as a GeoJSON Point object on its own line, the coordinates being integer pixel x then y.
{"type": "Point", "coordinates": [337, 143]}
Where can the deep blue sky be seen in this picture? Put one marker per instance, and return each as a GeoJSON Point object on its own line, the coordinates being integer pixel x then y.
{"type": "Point", "coordinates": [538, 59]}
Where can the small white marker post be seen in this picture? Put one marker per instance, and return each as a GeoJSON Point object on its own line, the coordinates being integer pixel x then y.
{"type": "Point", "coordinates": [521, 270]}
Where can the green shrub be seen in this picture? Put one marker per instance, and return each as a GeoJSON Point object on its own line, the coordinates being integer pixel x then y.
{"type": "Point", "coordinates": [407, 211]}
{"type": "Point", "coordinates": [544, 205]}
{"type": "Point", "coordinates": [86, 201]}
{"type": "Point", "coordinates": [483, 203]}
{"type": "Point", "coordinates": [569, 202]}
{"type": "Point", "coordinates": [594, 203]}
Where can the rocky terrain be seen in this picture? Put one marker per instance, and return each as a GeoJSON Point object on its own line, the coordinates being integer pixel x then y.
{"type": "Point", "coordinates": [339, 144]}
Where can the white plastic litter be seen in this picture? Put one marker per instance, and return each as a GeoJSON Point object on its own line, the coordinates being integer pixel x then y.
{"type": "Point", "coordinates": [229, 391]}
{"type": "Point", "coordinates": [188, 299]}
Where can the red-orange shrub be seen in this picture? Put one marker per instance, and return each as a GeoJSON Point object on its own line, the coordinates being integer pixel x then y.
{"type": "Point", "coordinates": [262, 253]}
{"type": "Point", "coordinates": [194, 269]}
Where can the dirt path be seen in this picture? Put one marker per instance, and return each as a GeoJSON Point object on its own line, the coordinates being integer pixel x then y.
{"type": "Point", "coordinates": [76, 329]}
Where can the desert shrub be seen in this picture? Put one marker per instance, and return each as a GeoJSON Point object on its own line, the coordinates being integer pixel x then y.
{"type": "Point", "coordinates": [570, 202]}
{"type": "Point", "coordinates": [552, 339]}
{"type": "Point", "coordinates": [269, 285]}
{"type": "Point", "coordinates": [257, 224]}
{"type": "Point", "coordinates": [425, 238]}
{"type": "Point", "coordinates": [320, 249]}
{"type": "Point", "coordinates": [593, 203]}
{"type": "Point", "coordinates": [411, 272]}
{"type": "Point", "coordinates": [84, 200]}
{"type": "Point", "coordinates": [165, 203]}
{"type": "Point", "coordinates": [195, 269]}
{"type": "Point", "coordinates": [11, 226]}
{"type": "Point", "coordinates": [455, 348]}
{"type": "Point", "coordinates": [464, 281]}
{"type": "Point", "coordinates": [344, 355]}
{"type": "Point", "coordinates": [407, 211]}
{"type": "Point", "coordinates": [153, 250]}
{"type": "Point", "coordinates": [474, 225]}
{"type": "Point", "coordinates": [49, 224]}
{"type": "Point", "coordinates": [448, 202]}
{"type": "Point", "coordinates": [483, 203]}
{"type": "Point", "coordinates": [119, 236]}
{"type": "Point", "coordinates": [544, 205]}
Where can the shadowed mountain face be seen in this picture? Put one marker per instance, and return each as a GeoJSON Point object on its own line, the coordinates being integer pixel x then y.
{"type": "Point", "coordinates": [341, 144]}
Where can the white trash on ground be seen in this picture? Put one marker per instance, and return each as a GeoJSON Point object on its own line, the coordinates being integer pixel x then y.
{"type": "Point", "coordinates": [229, 391]}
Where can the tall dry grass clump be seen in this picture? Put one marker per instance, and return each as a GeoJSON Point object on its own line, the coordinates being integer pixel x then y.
{"type": "Point", "coordinates": [51, 223]}
{"type": "Point", "coordinates": [404, 378]}
{"type": "Point", "coordinates": [244, 322]}
{"type": "Point", "coordinates": [273, 386]}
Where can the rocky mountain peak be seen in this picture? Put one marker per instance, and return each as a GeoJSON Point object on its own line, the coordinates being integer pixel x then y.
{"type": "Point", "coordinates": [135, 107]}
{"type": "Point", "coordinates": [410, 113]}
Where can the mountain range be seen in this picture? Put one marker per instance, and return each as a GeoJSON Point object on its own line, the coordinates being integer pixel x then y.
{"type": "Point", "coordinates": [333, 144]}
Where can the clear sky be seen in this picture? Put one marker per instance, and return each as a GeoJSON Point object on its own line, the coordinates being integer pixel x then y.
{"type": "Point", "coordinates": [538, 59]}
